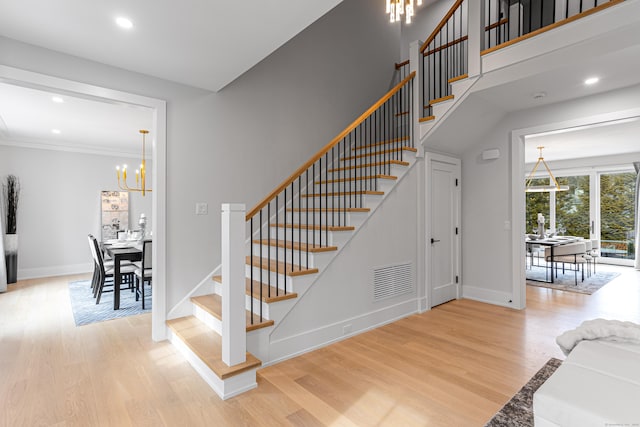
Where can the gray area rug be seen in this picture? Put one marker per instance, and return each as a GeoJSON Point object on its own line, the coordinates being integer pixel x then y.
{"type": "Point", "coordinates": [518, 412]}
{"type": "Point", "coordinates": [566, 281]}
{"type": "Point", "coordinates": [85, 310]}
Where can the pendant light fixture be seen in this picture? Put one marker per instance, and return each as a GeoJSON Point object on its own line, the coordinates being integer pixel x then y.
{"type": "Point", "coordinates": [529, 188]}
{"type": "Point", "coordinates": [141, 174]}
{"type": "Point", "coordinates": [397, 8]}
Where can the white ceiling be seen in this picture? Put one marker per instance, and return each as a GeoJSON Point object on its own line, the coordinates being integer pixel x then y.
{"type": "Point", "coordinates": [603, 139]}
{"type": "Point", "coordinates": [28, 116]}
{"type": "Point", "coordinates": [202, 43]}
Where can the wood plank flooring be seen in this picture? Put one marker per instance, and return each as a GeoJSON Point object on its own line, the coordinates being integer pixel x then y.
{"type": "Point", "coordinates": [455, 365]}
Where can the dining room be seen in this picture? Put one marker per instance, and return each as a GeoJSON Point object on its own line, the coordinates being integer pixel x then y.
{"type": "Point", "coordinates": [64, 148]}
{"type": "Point", "coordinates": [581, 205]}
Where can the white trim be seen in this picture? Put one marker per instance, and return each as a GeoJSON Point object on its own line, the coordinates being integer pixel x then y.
{"type": "Point", "coordinates": [518, 229]}
{"type": "Point", "coordinates": [487, 295]}
{"type": "Point", "coordinates": [56, 270]}
{"type": "Point", "coordinates": [456, 162]}
{"type": "Point", "coordinates": [26, 78]}
{"type": "Point", "coordinates": [298, 344]}
{"type": "Point", "coordinates": [65, 147]}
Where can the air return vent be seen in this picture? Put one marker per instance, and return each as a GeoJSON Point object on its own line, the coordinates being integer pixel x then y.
{"type": "Point", "coordinates": [392, 281]}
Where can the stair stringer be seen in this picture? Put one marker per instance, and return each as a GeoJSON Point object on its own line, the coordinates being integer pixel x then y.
{"type": "Point", "coordinates": [339, 302]}
{"type": "Point", "coordinates": [460, 90]}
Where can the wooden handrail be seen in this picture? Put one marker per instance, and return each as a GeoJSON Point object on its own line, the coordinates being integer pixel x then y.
{"type": "Point", "coordinates": [442, 23]}
{"type": "Point", "coordinates": [445, 46]}
{"type": "Point", "coordinates": [553, 26]}
{"type": "Point", "coordinates": [401, 64]}
{"type": "Point", "coordinates": [496, 24]}
{"type": "Point", "coordinates": [328, 147]}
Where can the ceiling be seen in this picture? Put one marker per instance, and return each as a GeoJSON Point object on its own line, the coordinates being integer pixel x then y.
{"type": "Point", "coordinates": [603, 139]}
{"type": "Point", "coordinates": [201, 43]}
{"type": "Point", "coordinates": [205, 44]}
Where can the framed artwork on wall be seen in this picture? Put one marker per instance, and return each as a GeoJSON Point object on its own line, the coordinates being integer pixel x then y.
{"type": "Point", "coordinates": [114, 212]}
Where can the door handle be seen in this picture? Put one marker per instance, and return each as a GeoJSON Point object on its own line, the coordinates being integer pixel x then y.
{"type": "Point", "coordinates": [434, 240]}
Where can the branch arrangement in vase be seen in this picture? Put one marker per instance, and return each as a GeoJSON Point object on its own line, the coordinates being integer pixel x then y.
{"type": "Point", "coordinates": [11, 194]}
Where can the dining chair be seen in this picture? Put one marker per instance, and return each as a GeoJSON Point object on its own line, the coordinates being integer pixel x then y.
{"type": "Point", "coordinates": [144, 270]}
{"type": "Point", "coordinates": [595, 252]}
{"type": "Point", "coordinates": [125, 270]}
{"type": "Point", "coordinates": [570, 253]}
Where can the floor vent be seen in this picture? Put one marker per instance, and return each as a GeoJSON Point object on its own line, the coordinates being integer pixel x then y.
{"type": "Point", "coordinates": [392, 281]}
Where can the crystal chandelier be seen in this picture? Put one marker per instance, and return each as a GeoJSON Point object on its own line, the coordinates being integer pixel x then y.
{"type": "Point", "coordinates": [141, 174]}
{"type": "Point", "coordinates": [397, 8]}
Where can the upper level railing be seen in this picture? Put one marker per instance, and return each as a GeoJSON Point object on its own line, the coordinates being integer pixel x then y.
{"type": "Point", "coordinates": [295, 220]}
{"type": "Point", "coordinates": [508, 22]}
{"type": "Point", "coordinates": [444, 55]}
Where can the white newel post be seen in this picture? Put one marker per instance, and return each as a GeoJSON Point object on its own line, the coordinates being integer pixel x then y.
{"type": "Point", "coordinates": [415, 64]}
{"type": "Point", "coordinates": [476, 34]}
{"type": "Point", "coordinates": [234, 339]}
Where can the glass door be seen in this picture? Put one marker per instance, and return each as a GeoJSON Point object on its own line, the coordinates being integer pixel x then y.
{"type": "Point", "coordinates": [617, 234]}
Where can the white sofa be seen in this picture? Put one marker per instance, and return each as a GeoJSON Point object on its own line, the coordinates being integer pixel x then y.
{"type": "Point", "coordinates": [597, 385]}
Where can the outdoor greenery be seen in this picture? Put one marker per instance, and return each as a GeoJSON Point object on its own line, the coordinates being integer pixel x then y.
{"type": "Point", "coordinates": [617, 193]}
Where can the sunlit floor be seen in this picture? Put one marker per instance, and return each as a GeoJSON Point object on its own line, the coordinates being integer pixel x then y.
{"type": "Point", "coordinates": [455, 365]}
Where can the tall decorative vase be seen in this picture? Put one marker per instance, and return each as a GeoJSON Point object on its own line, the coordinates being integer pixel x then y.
{"type": "Point", "coordinates": [11, 257]}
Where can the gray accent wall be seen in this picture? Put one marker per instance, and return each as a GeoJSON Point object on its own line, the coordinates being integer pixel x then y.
{"type": "Point", "coordinates": [238, 144]}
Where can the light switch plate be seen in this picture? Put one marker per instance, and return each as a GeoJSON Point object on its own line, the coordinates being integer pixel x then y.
{"type": "Point", "coordinates": [202, 208]}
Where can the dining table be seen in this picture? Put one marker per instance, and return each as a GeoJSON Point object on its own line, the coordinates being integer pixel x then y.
{"type": "Point", "coordinates": [547, 242]}
{"type": "Point", "coordinates": [121, 251]}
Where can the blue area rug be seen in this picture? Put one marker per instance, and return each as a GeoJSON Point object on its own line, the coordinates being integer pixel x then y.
{"type": "Point", "coordinates": [85, 310]}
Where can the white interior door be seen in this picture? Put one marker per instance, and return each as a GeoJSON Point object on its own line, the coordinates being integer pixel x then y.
{"type": "Point", "coordinates": [443, 229]}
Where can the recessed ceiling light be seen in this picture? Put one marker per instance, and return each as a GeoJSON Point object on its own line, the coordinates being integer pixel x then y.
{"type": "Point", "coordinates": [56, 131]}
{"type": "Point", "coordinates": [57, 99]}
{"type": "Point", "coordinates": [124, 22]}
{"type": "Point", "coordinates": [539, 95]}
{"type": "Point", "coordinates": [591, 80]}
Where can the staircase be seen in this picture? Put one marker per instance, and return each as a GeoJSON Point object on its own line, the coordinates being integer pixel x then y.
{"type": "Point", "coordinates": [303, 225]}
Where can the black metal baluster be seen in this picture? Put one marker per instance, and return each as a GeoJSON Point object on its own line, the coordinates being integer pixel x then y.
{"type": "Point", "coordinates": [306, 220]}
{"type": "Point", "coordinates": [251, 269]}
{"type": "Point", "coordinates": [277, 252]}
{"type": "Point", "coordinates": [299, 221]}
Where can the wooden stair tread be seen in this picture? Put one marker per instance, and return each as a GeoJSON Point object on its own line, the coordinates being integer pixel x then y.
{"type": "Point", "coordinates": [460, 77]}
{"type": "Point", "coordinates": [370, 165]}
{"type": "Point", "coordinates": [212, 304]}
{"type": "Point", "coordinates": [441, 99]}
{"type": "Point", "coordinates": [402, 113]}
{"type": "Point", "coordinates": [269, 293]}
{"type": "Point", "coordinates": [280, 267]}
{"type": "Point", "coordinates": [426, 119]}
{"type": "Point", "coordinates": [297, 246]}
{"type": "Point", "coordinates": [317, 227]}
{"type": "Point", "coordinates": [349, 193]}
{"type": "Point", "coordinates": [207, 345]}
{"type": "Point", "coordinates": [379, 153]}
{"type": "Point", "coordinates": [359, 178]}
{"type": "Point", "coordinates": [328, 210]}
{"type": "Point", "coordinates": [377, 144]}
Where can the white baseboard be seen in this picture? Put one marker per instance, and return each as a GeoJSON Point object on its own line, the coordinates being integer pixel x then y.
{"type": "Point", "coordinates": [489, 296]}
{"type": "Point", "coordinates": [296, 345]}
{"type": "Point", "coordinates": [55, 270]}
{"type": "Point", "coordinates": [184, 307]}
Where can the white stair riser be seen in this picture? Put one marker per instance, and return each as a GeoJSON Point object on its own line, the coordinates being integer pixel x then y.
{"type": "Point", "coordinates": [389, 146]}
{"type": "Point", "coordinates": [371, 158]}
{"type": "Point", "coordinates": [346, 218]}
{"type": "Point", "coordinates": [442, 107]}
{"type": "Point", "coordinates": [316, 259]}
{"type": "Point", "coordinates": [256, 306]}
{"type": "Point", "coordinates": [205, 317]}
{"type": "Point", "coordinates": [280, 278]}
{"type": "Point", "coordinates": [329, 238]}
{"type": "Point", "coordinates": [335, 202]}
{"type": "Point", "coordinates": [379, 184]}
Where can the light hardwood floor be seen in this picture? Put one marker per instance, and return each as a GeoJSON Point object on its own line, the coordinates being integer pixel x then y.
{"type": "Point", "coordinates": [455, 365]}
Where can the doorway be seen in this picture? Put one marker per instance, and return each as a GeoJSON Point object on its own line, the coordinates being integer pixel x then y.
{"type": "Point", "coordinates": [443, 228]}
{"type": "Point", "coordinates": [19, 77]}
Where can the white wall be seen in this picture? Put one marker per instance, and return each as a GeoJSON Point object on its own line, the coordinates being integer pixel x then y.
{"type": "Point", "coordinates": [342, 297]}
{"type": "Point", "coordinates": [487, 185]}
{"type": "Point", "coordinates": [239, 143]}
{"type": "Point", "coordinates": [60, 205]}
